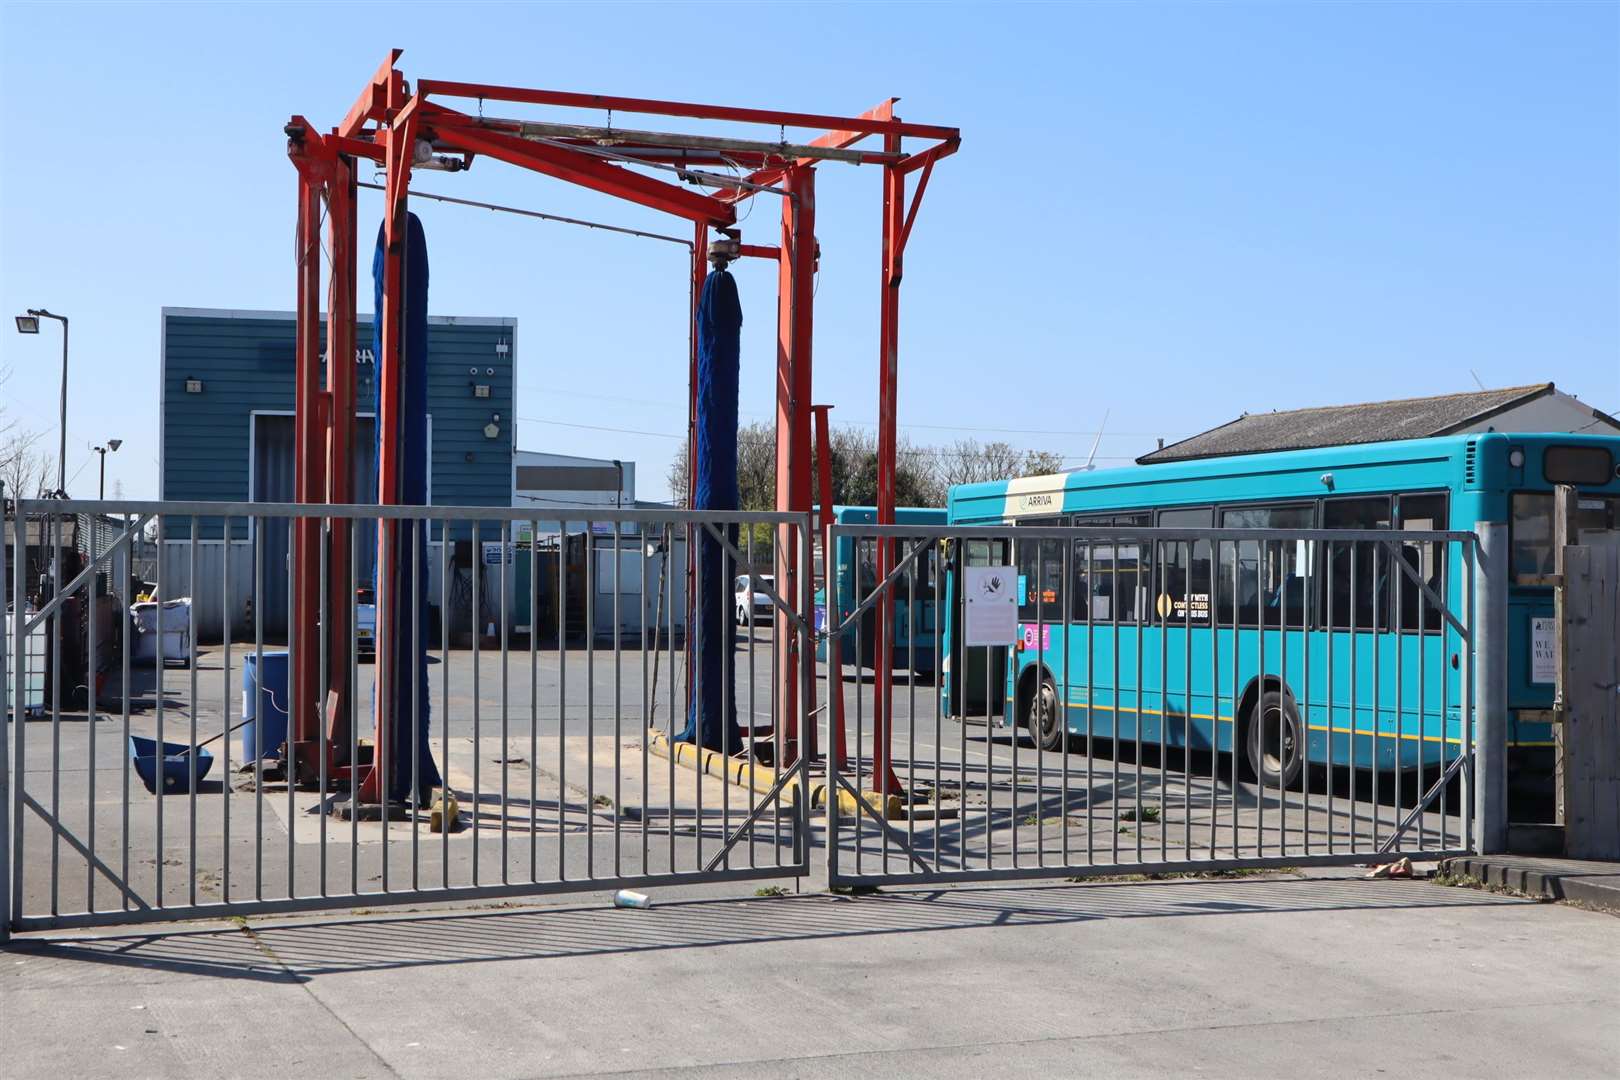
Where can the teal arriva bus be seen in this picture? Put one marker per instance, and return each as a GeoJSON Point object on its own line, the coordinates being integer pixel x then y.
{"type": "Point", "coordinates": [855, 575]}
{"type": "Point", "coordinates": [1318, 611]}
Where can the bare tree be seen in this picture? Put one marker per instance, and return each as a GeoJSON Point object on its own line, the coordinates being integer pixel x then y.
{"type": "Point", "coordinates": [22, 468]}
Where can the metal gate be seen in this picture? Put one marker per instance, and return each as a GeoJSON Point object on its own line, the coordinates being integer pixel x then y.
{"type": "Point", "coordinates": [550, 752]}
{"type": "Point", "coordinates": [1152, 700]}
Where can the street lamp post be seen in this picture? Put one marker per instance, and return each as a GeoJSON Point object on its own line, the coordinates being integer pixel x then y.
{"type": "Point", "coordinates": [112, 445]}
{"type": "Point", "coordinates": [29, 324]}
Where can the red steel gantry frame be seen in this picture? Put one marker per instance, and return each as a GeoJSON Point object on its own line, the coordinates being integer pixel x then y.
{"type": "Point", "coordinates": [398, 127]}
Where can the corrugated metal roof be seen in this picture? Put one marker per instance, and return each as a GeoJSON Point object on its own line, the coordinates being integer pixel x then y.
{"type": "Point", "coordinates": [1339, 425]}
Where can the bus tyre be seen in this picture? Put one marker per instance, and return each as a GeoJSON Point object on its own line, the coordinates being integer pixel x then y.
{"type": "Point", "coordinates": [1275, 741]}
{"type": "Point", "coordinates": [1043, 718]}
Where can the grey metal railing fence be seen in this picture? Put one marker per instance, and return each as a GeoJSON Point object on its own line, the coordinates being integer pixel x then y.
{"type": "Point", "coordinates": [554, 676]}
{"type": "Point", "coordinates": [1163, 699]}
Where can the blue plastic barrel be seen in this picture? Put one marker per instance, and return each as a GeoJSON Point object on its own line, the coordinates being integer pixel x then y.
{"type": "Point", "coordinates": [264, 705]}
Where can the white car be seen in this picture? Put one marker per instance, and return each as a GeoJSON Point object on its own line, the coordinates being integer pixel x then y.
{"type": "Point", "coordinates": [751, 606]}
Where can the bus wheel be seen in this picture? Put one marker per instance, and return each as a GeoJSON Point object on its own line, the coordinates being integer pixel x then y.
{"type": "Point", "coordinates": [1276, 741]}
{"type": "Point", "coordinates": [1043, 717]}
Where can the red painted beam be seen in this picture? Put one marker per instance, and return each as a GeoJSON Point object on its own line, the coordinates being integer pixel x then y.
{"type": "Point", "coordinates": [653, 107]}
{"type": "Point", "coordinates": [340, 389]}
{"type": "Point", "coordinates": [586, 171]}
{"type": "Point", "coordinates": [837, 140]}
{"type": "Point", "coordinates": [375, 99]}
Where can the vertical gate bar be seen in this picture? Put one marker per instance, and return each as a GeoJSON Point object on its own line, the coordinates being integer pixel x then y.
{"type": "Point", "coordinates": [534, 702]}
{"type": "Point", "coordinates": [1020, 553]}
{"type": "Point", "coordinates": [294, 706]}
{"type": "Point", "coordinates": [1162, 565]}
{"type": "Point", "coordinates": [322, 684]}
{"type": "Point", "coordinates": [1212, 601]}
{"type": "Point", "coordinates": [477, 606]}
{"type": "Point", "coordinates": [1307, 617]}
{"type": "Point", "coordinates": [911, 702]}
{"type": "Point", "coordinates": [669, 609]}
{"type": "Point", "coordinates": [806, 647]}
{"type": "Point", "coordinates": [1187, 701]}
{"type": "Point", "coordinates": [958, 620]}
{"type": "Point", "coordinates": [19, 702]}
{"type": "Point", "coordinates": [590, 699]}
{"type": "Point", "coordinates": [1065, 619]}
{"type": "Point", "coordinates": [90, 720]}
{"type": "Point", "coordinates": [618, 706]}
{"type": "Point", "coordinates": [1040, 713]}
{"type": "Point", "coordinates": [696, 686]}
{"type": "Point", "coordinates": [1423, 704]}
{"type": "Point", "coordinates": [646, 692]}
{"type": "Point", "coordinates": [191, 765]}
{"type": "Point", "coordinates": [1465, 693]}
{"type": "Point", "coordinates": [728, 706]}
{"type": "Point", "coordinates": [748, 624]}
{"type": "Point", "coordinates": [56, 718]}
{"type": "Point", "coordinates": [562, 700]}
{"type": "Point", "coordinates": [860, 726]}
{"type": "Point", "coordinates": [445, 793]}
{"type": "Point", "coordinates": [1380, 627]}
{"type": "Point", "coordinates": [1257, 722]}
{"type": "Point", "coordinates": [1490, 696]}
{"type": "Point", "coordinates": [1400, 667]}
{"type": "Point", "coordinates": [157, 804]}
{"type": "Point", "coordinates": [416, 697]}
{"type": "Point", "coordinates": [1283, 683]}
{"type": "Point", "coordinates": [506, 753]}
{"type": "Point", "coordinates": [225, 696]}
{"type": "Point", "coordinates": [1113, 615]}
{"type": "Point", "coordinates": [1355, 713]}
{"type": "Point", "coordinates": [1238, 734]}
{"type": "Point", "coordinates": [1137, 599]}
{"type": "Point", "coordinates": [17, 671]}
{"type": "Point", "coordinates": [1091, 704]}
{"type": "Point", "coordinates": [1332, 699]}
{"type": "Point", "coordinates": [257, 525]}
{"type": "Point", "coordinates": [778, 723]}
{"type": "Point", "coordinates": [938, 564]}
{"type": "Point", "coordinates": [354, 705]}
{"type": "Point", "coordinates": [124, 673]}
{"type": "Point", "coordinates": [835, 681]}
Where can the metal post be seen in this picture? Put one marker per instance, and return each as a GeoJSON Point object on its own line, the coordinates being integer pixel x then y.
{"type": "Point", "coordinates": [1490, 688]}
{"type": "Point", "coordinates": [5, 751]}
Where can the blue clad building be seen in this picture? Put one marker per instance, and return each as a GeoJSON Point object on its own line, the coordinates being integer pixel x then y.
{"type": "Point", "coordinates": [226, 405]}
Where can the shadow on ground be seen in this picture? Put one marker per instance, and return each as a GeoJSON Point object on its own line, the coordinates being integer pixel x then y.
{"type": "Point", "coordinates": [285, 951]}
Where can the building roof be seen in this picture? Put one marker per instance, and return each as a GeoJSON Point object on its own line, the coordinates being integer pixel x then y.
{"type": "Point", "coordinates": [1339, 425]}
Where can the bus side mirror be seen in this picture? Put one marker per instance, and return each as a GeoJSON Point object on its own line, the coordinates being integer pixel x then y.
{"type": "Point", "coordinates": [947, 554]}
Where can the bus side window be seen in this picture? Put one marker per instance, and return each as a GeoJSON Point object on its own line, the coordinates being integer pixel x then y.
{"type": "Point", "coordinates": [1271, 575]}
{"type": "Point", "coordinates": [1182, 587]}
{"type": "Point", "coordinates": [1359, 564]}
{"type": "Point", "coordinates": [1422, 513]}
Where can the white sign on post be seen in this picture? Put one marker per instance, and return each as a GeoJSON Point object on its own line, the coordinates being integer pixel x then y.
{"type": "Point", "coordinates": [1543, 654]}
{"type": "Point", "coordinates": [990, 594]}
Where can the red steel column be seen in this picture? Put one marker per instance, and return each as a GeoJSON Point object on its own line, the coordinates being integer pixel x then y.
{"type": "Point", "coordinates": [894, 208]}
{"type": "Point", "coordinates": [340, 369]}
{"type": "Point", "coordinates": [700, 272]}
{"type": "Point", "coordinates": [794, 326]}
{"type": "Point", "coordinates": [390, 375]}
{"type": "Point", "coordinates": [308, 471]}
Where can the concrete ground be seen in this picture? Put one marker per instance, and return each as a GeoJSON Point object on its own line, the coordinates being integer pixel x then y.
{"type": "Point", "coordinates": [1288, 977]}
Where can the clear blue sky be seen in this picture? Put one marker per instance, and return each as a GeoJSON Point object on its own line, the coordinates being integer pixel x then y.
{"type": "Point", "coordinates": [1176, 213]}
